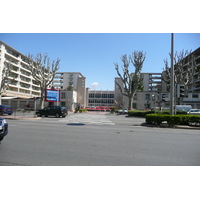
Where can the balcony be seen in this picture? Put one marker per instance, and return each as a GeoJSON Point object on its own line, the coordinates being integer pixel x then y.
{"type": "Point", "coordinates": [27, 80]}
{"type": "Point", "coordinates": [24, 60]}
{"type": "Point", "coordinates": [13, 83]}
{"type": "Point", "coordinates": [13, 68]}
{"type": "Point", "coordinates": [24, 91]}
{"type": "Point", "coordinates": [35, 83]}
{"type": "Point", "coordinates": [35, 88]}
{"type": "Point", "coordinates": [58, 76]}
{"type": "Point", "coordinates": [25, 67]}
{"type": "Point", "coordinates": [12, 54]}
{"type": "Point", "coordinates": [197, 88]}
{"type": "Point", "coordinates": [36, 93]}
{"type": "Point", "coordinates": [25, 73]}
{"type": "Point", "coordinates": [24, 85]}
{"type": "Point", "coordinates": [13, 89]}
{"type": "Point", "coordinates": [57, 81]}
{"type": "Point", "coordinates": [13, 75]}
{"type": "Point", "coordinates": [57, 85]}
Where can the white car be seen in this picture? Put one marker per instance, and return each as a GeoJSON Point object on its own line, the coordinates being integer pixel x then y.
{"type": "Point", "coordinates": [194, 112]}
{"type": "Point", "coordinates": [124, 111]}
{"type": "Point", "coordinates": [3, 129]}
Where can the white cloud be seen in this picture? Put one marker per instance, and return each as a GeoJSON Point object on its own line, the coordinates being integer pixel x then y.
{"type": "Point", "coordinates": [94, 85]}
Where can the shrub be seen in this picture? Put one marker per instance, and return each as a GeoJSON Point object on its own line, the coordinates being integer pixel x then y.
{"type": "Point", "coordinates": [172, 119]}
{"type": "Point", "coordinates": [194, 119]}
{"type": "Point", "coordinates": [139, 113]}
{"type": "Point", "coordinates": [112, 109]}
{"type": "Point", "coordinates": [181, 112]}
{"type": "Point", "coordinates": [82, 110]}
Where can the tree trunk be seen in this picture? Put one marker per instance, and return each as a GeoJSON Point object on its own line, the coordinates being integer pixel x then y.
{"type": "Point", "coordinates": [42, 102]}
{"type": "Point", "coordinates": [42, 99]}
{"type": "Point", "coordinates": [130, 104]}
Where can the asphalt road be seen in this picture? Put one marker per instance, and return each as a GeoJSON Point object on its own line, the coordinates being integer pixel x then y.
{"type": "Point", "coordinates": [97, 139]}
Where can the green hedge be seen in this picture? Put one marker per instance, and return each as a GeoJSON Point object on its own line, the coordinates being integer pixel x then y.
{"type": "Point", "coordinates": [177, 112]}
{"type": "Point", "coordinates": [139, 113]}
{"type": "Point", "coordinates": [82, 110]}
{"type": "Point", "coordinates": [172, 120]}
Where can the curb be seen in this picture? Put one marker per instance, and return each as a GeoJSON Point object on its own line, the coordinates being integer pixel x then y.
{"type": "Point", "coordinates": [22, 118]}
{"type": "Point", "coordinates": [176, 126]}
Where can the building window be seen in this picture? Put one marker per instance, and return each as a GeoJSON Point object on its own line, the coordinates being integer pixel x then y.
{"type": "Point", "coordinates": [91, 100]}
{"type": "Point", "coordinates": [97, 95]}
{"type": "Point", "coordinates": [97, 101]}
{"type": "Point", "coordinates": [103, 100]}
{"type": "Point", "coordinates": [195, 95]}
{"type": "Point", "coordinates": [110, 95]}
{"type": "Point", "coordinates": [63, 95]}
{"type": "Point", "coordinates": [110, 101]}
{"type": "Point", "coordinates": [104, 96]}
{"type": "Point", "coordinates": [147, 96]}
{"type": "Point", "coordinates": [63, 103]}
{"type": "Point", "coordinates": [134, 105]}
{"type": "Point", "coordinates": [91, 95]}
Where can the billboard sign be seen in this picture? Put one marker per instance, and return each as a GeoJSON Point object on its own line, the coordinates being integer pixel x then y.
{"type": "Point", "coordinates": [52, 95]}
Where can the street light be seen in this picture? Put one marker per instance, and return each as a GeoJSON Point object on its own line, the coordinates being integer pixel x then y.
{"type": "Point", "coordinates": [172, 77]}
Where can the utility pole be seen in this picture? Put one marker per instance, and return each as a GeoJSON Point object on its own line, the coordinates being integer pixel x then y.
{"type": "Point", "coordinates": [172, 77]}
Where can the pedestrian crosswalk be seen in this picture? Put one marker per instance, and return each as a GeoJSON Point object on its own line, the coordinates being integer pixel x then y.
{"type": "Point", "coordinates": [85, 118]}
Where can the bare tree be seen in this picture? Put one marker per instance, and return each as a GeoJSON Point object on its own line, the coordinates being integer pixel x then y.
{"type": "Point", "coordinates": [43, 71]}
{"type": "Point", "coordinates": [184, 70]}
{"type": "Point", "coordinates": [4, 79]}
{"type": "Point", "coordinates": [131, 81]}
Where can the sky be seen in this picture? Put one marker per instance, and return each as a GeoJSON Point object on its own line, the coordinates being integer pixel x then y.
{"type": "Point", "coordinates": [94, 54]}
{"type": "Point", "coordinates": [89, 37]}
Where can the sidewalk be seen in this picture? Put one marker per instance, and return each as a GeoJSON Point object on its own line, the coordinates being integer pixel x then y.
{"type": "Point", "coordinates": [20, 115]}
{"type": "Point", "coordinates": [28, 115]}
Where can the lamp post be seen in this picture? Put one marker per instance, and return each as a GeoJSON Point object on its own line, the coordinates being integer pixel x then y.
{"type": "Point", "coordinates": [172, 77]}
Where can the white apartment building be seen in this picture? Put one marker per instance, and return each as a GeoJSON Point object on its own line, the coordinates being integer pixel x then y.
{"type": "Point", "coordinates": [148, 97]}
{"type": "Point", "coordinates": [71, 81]}
{"type": "Point", "coordinates": [21, 83]}
{"type": "Point", "coordinates": [193, 96]}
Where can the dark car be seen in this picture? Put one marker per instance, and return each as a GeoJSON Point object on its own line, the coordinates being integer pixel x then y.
{"type": "Point", "coordinates": [56, 111]}
{"type": "Point", "coordinates": [4, 109]}
{"type": "Point", "coordinates": [3, 128]}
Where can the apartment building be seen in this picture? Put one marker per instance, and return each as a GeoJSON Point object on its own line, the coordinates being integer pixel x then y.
{"type": "Point", "coordinates": [75, 81]}
{"type": "Point", "coordinates": [21, 83]}
{"type": "Point", "coordinates": [152, 82]}
{"type": "Point", "coordinates": [146, 98]}
{"type": "Point", "coordinates": [191, 62]}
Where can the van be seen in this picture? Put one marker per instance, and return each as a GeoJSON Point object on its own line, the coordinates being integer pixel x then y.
{"type": "Point", "coordinates": [183, 107]}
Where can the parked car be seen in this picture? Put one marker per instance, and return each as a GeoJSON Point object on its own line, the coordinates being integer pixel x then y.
{"type": "Point", "coordinates": [107, 109]}
{"type": "Point", "coordinates": [4, 109]}
{"type": "Point", "coordinates": [56, 111]}
{"type": "Point", "coordinates": [123, 111]}
{"type": "Point", "coordinates": [3, 128]}
{"type": "Point", "coordinates": [194, 112]}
